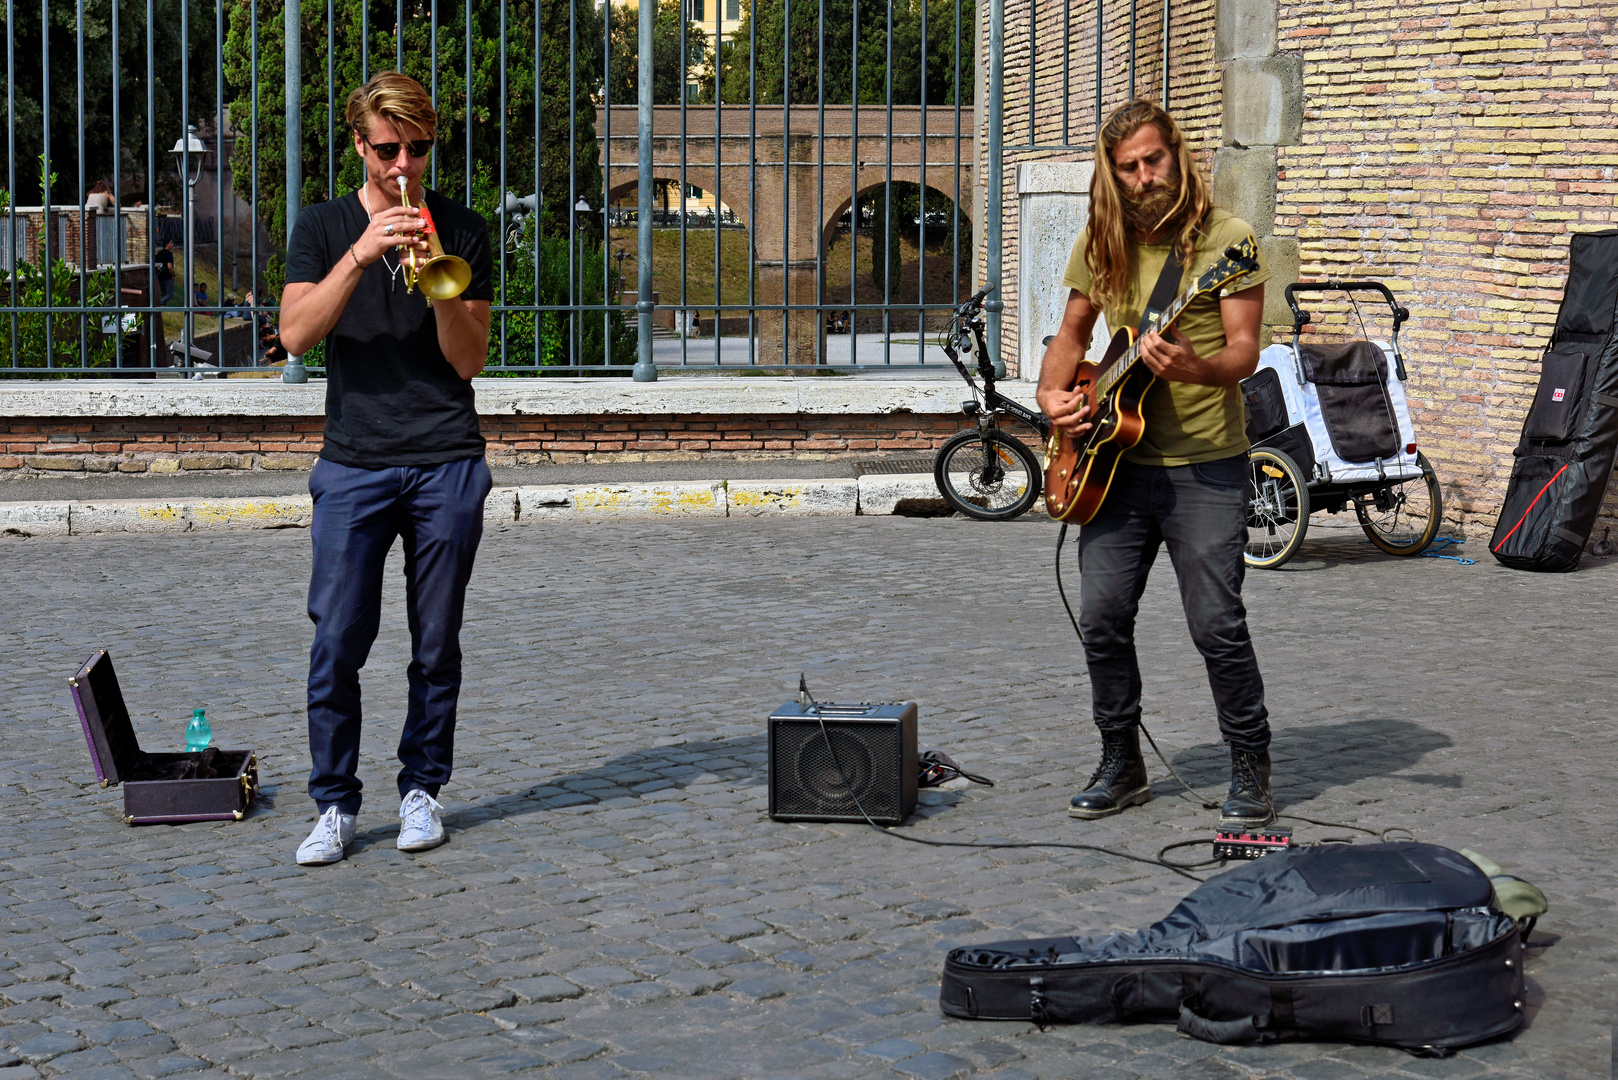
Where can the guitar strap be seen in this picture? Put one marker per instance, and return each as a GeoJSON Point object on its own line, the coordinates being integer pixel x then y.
{"type": "Point", "coordinates": [1168, 284]}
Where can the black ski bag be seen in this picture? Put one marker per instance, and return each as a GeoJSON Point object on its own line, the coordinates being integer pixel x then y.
{"type": "Point", "coordinates": [1564, 458]}
{"type": "Point", "coordinates": [1397, 944]}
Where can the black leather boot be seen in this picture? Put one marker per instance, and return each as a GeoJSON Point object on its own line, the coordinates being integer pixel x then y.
{"type": "Point", "coordinates": [1249, 804]}
{"type": "Point", "coordinates": [1119, 781]}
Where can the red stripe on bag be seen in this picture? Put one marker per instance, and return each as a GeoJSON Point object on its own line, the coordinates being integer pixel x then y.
{"type": "Point", "coordinates": [1530, 509]}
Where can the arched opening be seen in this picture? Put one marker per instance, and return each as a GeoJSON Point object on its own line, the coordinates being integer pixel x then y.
{"type": "Point", "coordinates": [903, 245]}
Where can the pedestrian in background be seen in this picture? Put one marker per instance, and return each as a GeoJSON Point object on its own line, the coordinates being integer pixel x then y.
{"type": "Point", "coordinates": [164, 258]}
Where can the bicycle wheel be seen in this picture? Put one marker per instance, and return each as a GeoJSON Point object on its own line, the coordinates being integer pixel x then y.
{"type": "Point", "coordinates": [1277, 509]}
{"type": "Point", "coordinates": [987, 475]}
{"type": "Point", "coordinates": [1403, 520]}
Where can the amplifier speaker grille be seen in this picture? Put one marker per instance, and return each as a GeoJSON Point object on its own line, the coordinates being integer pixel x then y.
{"type": "Point", "coordinates": [877, 754]}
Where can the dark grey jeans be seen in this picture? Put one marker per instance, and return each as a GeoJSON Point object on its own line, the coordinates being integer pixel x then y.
{"type": "Point", "coordinates": [1200, 512]}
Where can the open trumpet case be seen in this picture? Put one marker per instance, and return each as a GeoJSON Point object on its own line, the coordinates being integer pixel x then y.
{"type": "Point", "coordinates": [159, 788]}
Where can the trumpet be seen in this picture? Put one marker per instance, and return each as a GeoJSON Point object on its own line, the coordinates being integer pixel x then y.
{"type": "Point", "coordinates": [441, 276]}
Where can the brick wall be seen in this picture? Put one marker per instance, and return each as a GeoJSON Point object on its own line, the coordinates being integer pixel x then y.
{"type": "Point", "coordinates": [1046, 85]}
{"type": "Point", "coordinates": [1450, 149]}
{"type": "Point", "coordinates": [138, 445]}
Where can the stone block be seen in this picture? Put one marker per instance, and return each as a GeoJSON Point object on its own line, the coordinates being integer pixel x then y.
{"type": "Point", "coordinates": [500, 508]}
{"type": "Point", "coordinates": [620, 500]}
{"type": "Point", "coordinates": [1244, 184]}
{"type": "Point", "coordinates": [1263, 101]}
{"type": "Point", "coordinates": [165, 465]}
{"type": "Point", "coordinates": [543, 988]}
{"type": "Point", "coordinates": [758, 498]}
{"type": "Point", "coordinates": [57, 462]}
{"type": "Point", "coordinates": [34, 519]}
{"type": "Point", "coordinates": [1280, 254]}
{"type": "Point", "coordinates": [900, 493]}
{"type": "Point", "coordinates": [1053, 204]}
{"type": "Point", "coordinates": [190, 462]}
{"type": "Point", "coordinates": [191, 515]}
{"type": "Point", "coordinates": [1245, 29]}
{"type": "Point", "coordinates": [287, 461]}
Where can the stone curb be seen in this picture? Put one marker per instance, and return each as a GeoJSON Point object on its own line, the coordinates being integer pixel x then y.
{"type": "Point", "coordinates": [872, 494]}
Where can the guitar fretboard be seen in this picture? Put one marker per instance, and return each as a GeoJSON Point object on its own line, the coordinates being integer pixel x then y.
{"type": "Point", "coordinates": [1107, 381]}
{"type": "Point", "coordinates": [1238, 260]}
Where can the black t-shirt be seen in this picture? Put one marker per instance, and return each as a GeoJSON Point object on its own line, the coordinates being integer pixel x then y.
{"type": "Point", "coordinates": [165, 264]}
{"type": "Point", "coordinates": [391, 396]}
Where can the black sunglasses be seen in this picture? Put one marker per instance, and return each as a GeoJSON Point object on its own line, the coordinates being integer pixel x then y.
{"type": "Point", "coordinates": [387, 151]}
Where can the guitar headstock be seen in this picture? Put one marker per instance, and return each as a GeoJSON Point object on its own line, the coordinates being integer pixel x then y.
{"type": "Point", "coordinates": [1239, 258]}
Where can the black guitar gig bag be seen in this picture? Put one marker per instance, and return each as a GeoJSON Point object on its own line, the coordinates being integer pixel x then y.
{"type": "Point", "coordinates": [1398, 944]}
{"type": "Point", "coordinates": [1564, 458]}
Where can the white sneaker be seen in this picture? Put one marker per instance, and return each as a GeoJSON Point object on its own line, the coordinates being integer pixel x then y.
{"type": "Point", "coordinates": [333, 832]}
{"type": "Point", "coordinates": [419, 825]}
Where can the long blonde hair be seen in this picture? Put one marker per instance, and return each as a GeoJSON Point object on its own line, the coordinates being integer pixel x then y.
{"type": "Point", "coordinates": [1107, 251]}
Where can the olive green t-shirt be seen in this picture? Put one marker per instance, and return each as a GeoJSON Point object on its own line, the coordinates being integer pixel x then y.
{"type": "Point", "coordinates": [1185, 423]}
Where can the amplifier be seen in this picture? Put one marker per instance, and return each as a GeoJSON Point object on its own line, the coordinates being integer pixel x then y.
{"type": "Point", "coordinates": [875, 744]}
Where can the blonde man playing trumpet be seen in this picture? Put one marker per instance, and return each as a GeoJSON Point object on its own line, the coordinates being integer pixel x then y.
{"type": "Point", "coordinates": [402, 457]}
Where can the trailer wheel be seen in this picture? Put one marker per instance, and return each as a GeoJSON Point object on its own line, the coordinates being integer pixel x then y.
{"type": "Point", "coordinates": [1403, 520]}
{"type": "Point", "coordinates": [1277, 508]}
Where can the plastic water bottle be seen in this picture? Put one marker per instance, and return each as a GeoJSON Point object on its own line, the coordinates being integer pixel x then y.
{"type": "Point", "coordinates": [197, 733]}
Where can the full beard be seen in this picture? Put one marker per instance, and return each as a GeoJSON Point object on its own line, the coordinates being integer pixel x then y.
{"type": "Point", "coordinates": [1145, 209]}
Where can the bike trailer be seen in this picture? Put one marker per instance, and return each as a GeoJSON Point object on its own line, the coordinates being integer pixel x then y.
{"type": "Point", "coordinates": [1564, 457]}
{"type": "Point", "coordinates": [1338, 411]}
{"type": "Point", "coordinates": [1398, 944]}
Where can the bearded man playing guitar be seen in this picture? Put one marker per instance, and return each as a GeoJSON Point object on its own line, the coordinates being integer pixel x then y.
{"type": "Point", "coordinates": [1184, 483]}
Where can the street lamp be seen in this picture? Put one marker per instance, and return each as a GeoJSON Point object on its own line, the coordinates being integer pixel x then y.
{"type": "Point", "coordinates": [184, 147]}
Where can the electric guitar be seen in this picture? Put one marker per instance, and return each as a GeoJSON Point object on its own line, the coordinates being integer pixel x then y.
{"type": "Point", "coordinates": [1079, 471]}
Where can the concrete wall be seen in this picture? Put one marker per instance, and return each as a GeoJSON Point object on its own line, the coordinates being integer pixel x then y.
{"type": "Point", "coordinates": [1053, 204]}
{"type": "Point", "coordinates": [95, 426]}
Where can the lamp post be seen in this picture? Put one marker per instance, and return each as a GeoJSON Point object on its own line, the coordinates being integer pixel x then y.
{"type": "Point", "coordinates": [184, 147]}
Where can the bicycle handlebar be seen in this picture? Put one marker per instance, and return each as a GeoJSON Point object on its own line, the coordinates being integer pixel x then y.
{"type": "Point", "coordinates": [975, 302]}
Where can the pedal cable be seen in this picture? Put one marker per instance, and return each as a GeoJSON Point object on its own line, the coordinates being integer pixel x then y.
{"type": "Point", "coordinates": [803, 690]}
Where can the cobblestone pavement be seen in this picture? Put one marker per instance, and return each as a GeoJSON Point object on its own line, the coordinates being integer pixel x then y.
{"type": "Point", "coordinates": [613, 900]}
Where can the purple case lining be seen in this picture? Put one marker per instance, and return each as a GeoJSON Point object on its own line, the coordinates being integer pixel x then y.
{"type": "Point", "coordinates": [77, 690]}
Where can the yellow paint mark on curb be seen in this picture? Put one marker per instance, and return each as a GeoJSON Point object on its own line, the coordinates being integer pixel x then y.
{"type": "Point", "coordinates": [777, 498]}
{"type": "Point", "coordinates": [600, 499]}
{"type": "Point", "coordinates": [683, 502]}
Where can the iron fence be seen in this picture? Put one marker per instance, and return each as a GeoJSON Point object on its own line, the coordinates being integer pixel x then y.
{"type": "Point", "coordinates": [772, 183]}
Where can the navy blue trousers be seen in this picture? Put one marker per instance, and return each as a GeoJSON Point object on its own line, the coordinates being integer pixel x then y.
{"type": "Point", "coordinates": [437, 511]}
{"type": "Point", "coordinates": [1200, 513]}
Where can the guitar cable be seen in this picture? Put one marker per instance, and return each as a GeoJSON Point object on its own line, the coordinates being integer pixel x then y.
{"type": "Point", "coordinates": [803, 691]}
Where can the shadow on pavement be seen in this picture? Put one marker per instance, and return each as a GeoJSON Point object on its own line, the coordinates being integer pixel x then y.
{"type": "Point", "coordinates": [738, 761]}
{"type": "Point", "coordinates": [1310, 759]}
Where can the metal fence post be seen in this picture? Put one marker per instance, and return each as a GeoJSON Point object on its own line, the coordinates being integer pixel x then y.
{"type": "Point", "coordinates": [294, 372]}
{"type": "Point", "coordinates": [645, 370]}
{"type": "Point", "coordinates": [994, 305]}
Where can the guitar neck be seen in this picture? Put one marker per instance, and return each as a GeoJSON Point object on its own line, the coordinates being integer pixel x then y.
{"type": "Point", "coordinates": [1112, 376]}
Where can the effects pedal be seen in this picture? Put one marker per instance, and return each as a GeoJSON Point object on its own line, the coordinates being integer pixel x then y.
{"type": "Point", "coordinates": [1236, 843]}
